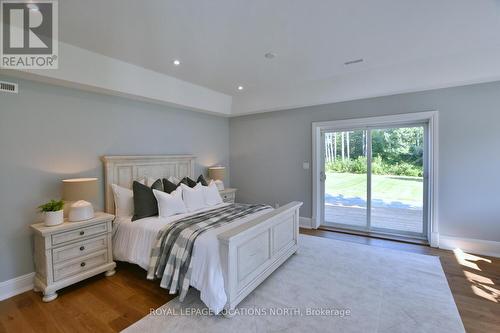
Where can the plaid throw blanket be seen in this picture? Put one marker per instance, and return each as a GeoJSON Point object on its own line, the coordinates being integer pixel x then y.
{"type": "Point", "coordinates": [171, 254]}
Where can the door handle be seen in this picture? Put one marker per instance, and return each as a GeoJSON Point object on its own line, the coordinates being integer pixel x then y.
{"type": "Point", "coordinates": [322, 176]}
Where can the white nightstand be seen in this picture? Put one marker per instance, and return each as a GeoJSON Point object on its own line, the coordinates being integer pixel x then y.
{"type": "Point", "coordinates": [71, 252]}
{"type": "Point", "coordinates": [228, 194]}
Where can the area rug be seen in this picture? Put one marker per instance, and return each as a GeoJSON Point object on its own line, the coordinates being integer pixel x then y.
{"type": "Point", "coordinates": [329, 286]}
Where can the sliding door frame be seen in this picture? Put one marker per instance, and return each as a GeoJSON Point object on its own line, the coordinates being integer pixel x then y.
{"type": "Point", "coordinates": [431, 162]}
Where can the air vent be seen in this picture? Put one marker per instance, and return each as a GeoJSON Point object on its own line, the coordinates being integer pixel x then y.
{"type": "Point", "coordinates": [9, 87]}
{"type": "Point", "coordinates": [352, 62]}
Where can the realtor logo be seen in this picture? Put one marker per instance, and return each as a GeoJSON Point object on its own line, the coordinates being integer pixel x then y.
{"type": "Point", "coordinates": [29, 36]}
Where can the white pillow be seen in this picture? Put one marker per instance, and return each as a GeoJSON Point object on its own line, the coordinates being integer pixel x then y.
{"type": "Point", "coordinates": [124, 200]}
{"type": "Point", "coordinates": [193, 197]}
{"type": "Point", "coordinates": [170, 204]}
{"type": "Point", "coordinates": [212, 195]}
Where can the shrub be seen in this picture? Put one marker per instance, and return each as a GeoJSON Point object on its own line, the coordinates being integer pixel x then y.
{"type": "Point", "coordinates": [340, 166]}
{"type": "Point", "coordinates": [379, 167]}
{"type": "Point", "coordinates": [359, 165]}
{"type": "Point", "coordinates": [404, 169]}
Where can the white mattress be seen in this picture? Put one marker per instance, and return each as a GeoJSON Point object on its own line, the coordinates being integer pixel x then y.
{"type": "Point", "coordinates": [132, 242]}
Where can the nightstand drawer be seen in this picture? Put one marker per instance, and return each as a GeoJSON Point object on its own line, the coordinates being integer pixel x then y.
{"type": "Point", "coordinates": [79, 249]}
{"type": "Point", "coordinates": [77, 234]}
{"type": "Point", "coordinates": [80, 265]}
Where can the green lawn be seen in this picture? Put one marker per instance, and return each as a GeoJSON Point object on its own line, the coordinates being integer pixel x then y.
{"type": "Point", "coordinates": [387, 188]}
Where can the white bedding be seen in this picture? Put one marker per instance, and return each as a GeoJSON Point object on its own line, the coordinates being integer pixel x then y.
{"type": "Point", "coordinates": [132, 242]}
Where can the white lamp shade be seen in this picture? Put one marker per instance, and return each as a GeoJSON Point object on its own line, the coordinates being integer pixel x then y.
{"type": "Point", "coordinates": [217, 173]}
{"type": "Point", "coordinates": [80, 189]}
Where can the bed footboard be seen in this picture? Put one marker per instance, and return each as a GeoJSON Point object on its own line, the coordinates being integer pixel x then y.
{"type": "Point", "coordinates": [251, 252]}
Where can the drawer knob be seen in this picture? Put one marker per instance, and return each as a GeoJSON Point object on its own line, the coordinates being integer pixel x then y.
{"type": "Point", "coordinates": [82, 233]}
{"type": "Point", "coordinates": [82, 248]}
{"type": "Point", "coordinates": [82, 264]}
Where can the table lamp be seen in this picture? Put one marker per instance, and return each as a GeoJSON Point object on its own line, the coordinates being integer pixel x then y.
{"type": "Point", "coordinates": [78, 194]}
{"type": "Point", "coordinates": [217, 173]}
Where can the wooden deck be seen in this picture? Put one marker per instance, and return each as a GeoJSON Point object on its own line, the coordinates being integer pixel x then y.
{"type": "Point", "coordinates": [400, 219]}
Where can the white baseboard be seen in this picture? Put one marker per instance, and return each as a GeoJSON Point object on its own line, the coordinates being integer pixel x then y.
{"type": "Point", "coordinates": [16, 286]}
{"type": "Point", "coordinates": [470, 245]}
{"type": "Point", "coordinates": [305, 222]}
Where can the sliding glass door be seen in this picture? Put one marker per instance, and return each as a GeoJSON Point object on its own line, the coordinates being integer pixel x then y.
{"type": "Point", "coordinates": [397, 180]}
{"type": "Point", "coordinates": [373, 179]}
{"type": "Point", "coordinates": [346, 190]}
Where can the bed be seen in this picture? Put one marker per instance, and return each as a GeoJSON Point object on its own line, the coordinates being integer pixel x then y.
{"type": "Point", "coordinates": [227, 262]}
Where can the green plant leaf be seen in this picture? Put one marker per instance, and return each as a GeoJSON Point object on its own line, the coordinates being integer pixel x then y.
{"type": "Point", "coordinates": [52, 206]}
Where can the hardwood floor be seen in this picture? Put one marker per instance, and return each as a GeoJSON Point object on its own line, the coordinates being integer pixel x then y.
{"type": "Point", "coordinates": [110, 304]}
{"type": "Point", "coordinates": [99, 304]}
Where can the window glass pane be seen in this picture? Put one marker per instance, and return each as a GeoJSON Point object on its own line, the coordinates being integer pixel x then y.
{"type": "Point", "coordinates": [397, 179]}
{"type": "Point", "coordinates": [346, 178]}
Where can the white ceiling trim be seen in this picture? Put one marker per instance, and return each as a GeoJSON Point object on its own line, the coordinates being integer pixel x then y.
{"type": "Point", "coordinates": [83, 69]}
{"type": "Point", "coordinates": [434, 73]}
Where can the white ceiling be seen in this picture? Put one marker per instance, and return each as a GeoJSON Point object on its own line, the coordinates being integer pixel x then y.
{"type": "Point", "coordinates": [221, 43]}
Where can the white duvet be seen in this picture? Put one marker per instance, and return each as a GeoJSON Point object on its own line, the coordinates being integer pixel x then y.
{"type": "Point", "coordinates": [132, 242]}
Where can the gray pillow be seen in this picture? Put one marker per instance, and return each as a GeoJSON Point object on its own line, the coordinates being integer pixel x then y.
{"type": "Point", "coordinates": [188, 181]}
{"type": "Point", "coordinates": [168, 186]}
{"type": "Point", "coordinates": [202, 180]}
{"type": "Point", "coordinates": [145, 204]}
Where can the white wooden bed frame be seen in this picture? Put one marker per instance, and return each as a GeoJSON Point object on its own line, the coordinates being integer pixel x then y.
{"type": "Point", "coordinates": [249, 253]}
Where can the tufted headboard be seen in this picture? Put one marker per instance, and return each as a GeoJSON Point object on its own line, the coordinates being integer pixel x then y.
{"type": "Point", "coordinates": [123, 170]}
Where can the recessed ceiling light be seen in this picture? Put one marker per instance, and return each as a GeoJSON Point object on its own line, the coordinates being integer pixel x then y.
{"type": "Point", "coordinates": [352, 62]}
{"type": "Point", "coordinates": [176, 62]}
{"type": "Point", "coordinates": [270, 55]}
{"type": "Point", "coordinates": [240, 88]}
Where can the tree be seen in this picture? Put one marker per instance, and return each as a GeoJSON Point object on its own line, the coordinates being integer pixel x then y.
{"type": "Point", "coordinates": [335, 146]}
{"type": "Point", "coordinates": [348, 146]}
{"type": "Point", "coordinates": [343, 144]}
{"type": "Point", "coordinates": [364, 143]}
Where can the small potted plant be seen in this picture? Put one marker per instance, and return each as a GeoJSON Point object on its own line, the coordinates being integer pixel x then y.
{"type": "Point", "coordinates": [54, 213]}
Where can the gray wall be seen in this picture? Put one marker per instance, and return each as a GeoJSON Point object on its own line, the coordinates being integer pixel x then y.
{"type": "Point", "coordinates": [49, 133]}
{"type": "Point", "coordinates": [267, 151]}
